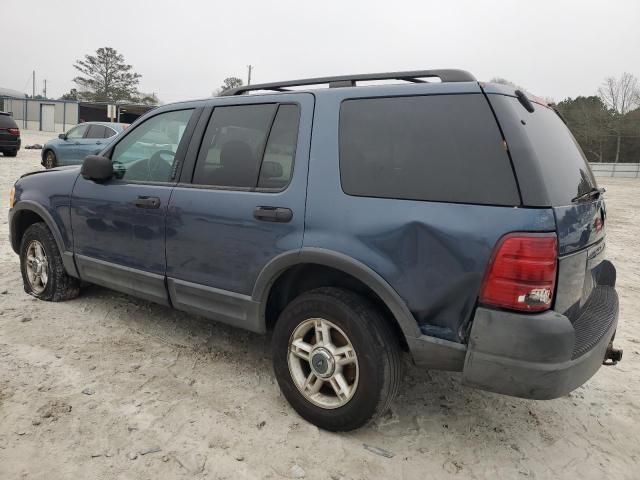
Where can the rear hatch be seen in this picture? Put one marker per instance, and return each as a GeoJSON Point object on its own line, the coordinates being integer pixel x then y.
{"type": "Point", "coordinates": [9, 132]}
{"type": "Point", "coordinates": [552, 172]}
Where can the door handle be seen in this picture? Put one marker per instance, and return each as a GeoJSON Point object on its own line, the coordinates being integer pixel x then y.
{"type": "Point", "coordinates": [273, 214]}
{"type": "Point", "coordinates": [98, 143]}
{"type": "Point", "coordinates": [147, 202]}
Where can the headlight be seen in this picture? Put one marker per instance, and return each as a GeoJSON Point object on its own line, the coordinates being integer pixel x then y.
{"type": "Point", "coordinates": [12, 196]}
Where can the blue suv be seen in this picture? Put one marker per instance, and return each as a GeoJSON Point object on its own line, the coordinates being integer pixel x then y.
{"type": "Point", "coordinates": [454, 222]}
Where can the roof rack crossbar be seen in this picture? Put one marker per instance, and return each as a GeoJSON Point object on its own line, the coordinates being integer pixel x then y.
{"type": "Point", "coordinates": [447, 75]}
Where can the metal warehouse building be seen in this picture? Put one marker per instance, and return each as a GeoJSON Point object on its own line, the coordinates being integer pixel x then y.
{"type": "Point", "coordinates": [45, 115]}
{"type": "Point", "coordinates": [60, 115]}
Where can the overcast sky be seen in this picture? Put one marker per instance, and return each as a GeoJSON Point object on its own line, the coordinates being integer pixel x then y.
{"type": "Point", "coordinates": [185, 48]}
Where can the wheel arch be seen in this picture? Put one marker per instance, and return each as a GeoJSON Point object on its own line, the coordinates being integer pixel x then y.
{"type": "Point", "coordinates": [24, 214]}
{"type": "Point", "coordinates": [274, 271]}
{"type": "Point", "coordinates": [47, 150]}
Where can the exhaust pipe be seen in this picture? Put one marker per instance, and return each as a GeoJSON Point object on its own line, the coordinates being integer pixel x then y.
{"type": "Point", "coordinates": [612, 355]}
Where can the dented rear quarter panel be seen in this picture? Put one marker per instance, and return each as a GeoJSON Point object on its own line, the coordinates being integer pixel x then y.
{"type": "Point", "coordinates": [433, 254]}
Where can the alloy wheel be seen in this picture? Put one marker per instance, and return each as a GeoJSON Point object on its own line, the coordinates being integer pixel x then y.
{"type": "Point", "coordinates": [323, 363]}
{"type": "Point", "coordinates": [37, 267]}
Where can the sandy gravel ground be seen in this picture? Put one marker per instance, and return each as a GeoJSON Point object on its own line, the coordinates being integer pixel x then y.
{"type": "Point", "coordinates": [108, 386]}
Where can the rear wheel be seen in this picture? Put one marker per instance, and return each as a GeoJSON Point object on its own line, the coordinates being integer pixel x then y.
{"type": "Point", "coordinates": [336, 359]}
{"type": "Point", "coordinates": [10, 153]}
{"type": "Point", "coordinates": [50, 160]}
{"type": "Point", "coordinates": [43, 273]}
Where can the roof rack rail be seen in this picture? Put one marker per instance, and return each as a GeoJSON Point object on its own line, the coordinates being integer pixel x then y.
{"type": "Point", "coordinates": [447, 75]}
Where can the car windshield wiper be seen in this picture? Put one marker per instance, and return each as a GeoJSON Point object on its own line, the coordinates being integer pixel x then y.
{"type": "Point", "coordinates": [593, 193]}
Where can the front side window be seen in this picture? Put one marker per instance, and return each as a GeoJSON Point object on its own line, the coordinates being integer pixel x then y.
{"type": "Point", "coordinates": [148, 153]}
{"type": "Point", "coordinates": [77, 132]}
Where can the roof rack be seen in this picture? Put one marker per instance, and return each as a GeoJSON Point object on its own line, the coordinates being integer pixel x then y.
{"type": "Point", "coordinates": [416, 76]}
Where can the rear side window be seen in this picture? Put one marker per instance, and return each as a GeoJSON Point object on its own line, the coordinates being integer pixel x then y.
{"type": "Point", "coordinates": [564, 168]}
{"type": "Point", "coordinates": [444, 148]}
{"type": "Point", "coordinates": [108, 132]}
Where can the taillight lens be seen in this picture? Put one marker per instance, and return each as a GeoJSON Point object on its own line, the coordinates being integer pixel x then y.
{"type": "Point", "coordinates": [522, 273]}
{"type": "Point", "coordinates": [14, 131]}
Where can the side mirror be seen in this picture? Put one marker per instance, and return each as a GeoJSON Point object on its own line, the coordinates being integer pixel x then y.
{"type": "Point", "coordinates": [96, 168]}
{"type": "Point", "coordinates": [271, 169]}
{"type": "Point", "coordinates": [62, 136]}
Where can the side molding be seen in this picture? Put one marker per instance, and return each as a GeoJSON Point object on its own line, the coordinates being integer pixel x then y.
{"type": "Point", "coordinates": [131, 281]}
{"type": "Point", "coordinates": [341, 262]}
{"type": "Point", "coordinates": [223, 306]}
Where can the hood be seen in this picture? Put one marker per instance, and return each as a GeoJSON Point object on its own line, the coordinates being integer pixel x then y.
{"type": "Point", "coordinates": [66, 168]}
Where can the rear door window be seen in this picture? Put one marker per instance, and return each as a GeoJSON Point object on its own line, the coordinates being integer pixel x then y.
{"type": "Point", "coordinates": [95, 131]}
{"type": "Point", "coordinates": [277, 164]}
{"type": "Point", "coordinates": [233, 146]}
{"type": "Point", "coordinates": [445, 148]}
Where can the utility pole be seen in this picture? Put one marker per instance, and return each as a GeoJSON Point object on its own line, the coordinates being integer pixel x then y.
{"type": "Point", "coordinates": [45, 88]}
{"type": "Point", "coordinates": [249, 67]}
{"type": "Point", "coordinates": [33, 85]}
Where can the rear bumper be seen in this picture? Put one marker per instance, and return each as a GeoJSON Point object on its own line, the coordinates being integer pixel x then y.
{"type": "Point", "coordinates": [539, 356]}
{"type": "Point", "coordinates": [10, 144]}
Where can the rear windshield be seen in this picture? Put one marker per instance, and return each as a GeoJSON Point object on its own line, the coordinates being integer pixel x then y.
{"type": "Point", "coordinates": [7, 122]}
{"type": "Point", "coordinates": [565, 170]}
{"type": "Point", "coordinates": [443, 148]}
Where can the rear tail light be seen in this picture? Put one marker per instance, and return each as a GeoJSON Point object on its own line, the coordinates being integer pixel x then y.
{"type": "Point", "coordinates": [14, 131]}
{"type": "Point", "coordinates": [522, 273]}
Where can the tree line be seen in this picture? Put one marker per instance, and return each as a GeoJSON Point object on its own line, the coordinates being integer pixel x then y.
{"type": "Point", "coordinates": [606, 124]}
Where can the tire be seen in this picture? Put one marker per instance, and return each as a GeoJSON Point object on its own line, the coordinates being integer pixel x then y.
{"type": "Point", "coordinates": [58, 286]}
{"type": "Point", "coordinates": [377, 359]}
{"type": "Point", "coordinates": [50, 160]}
{"type": "Point", "coordinates": [11, 153]}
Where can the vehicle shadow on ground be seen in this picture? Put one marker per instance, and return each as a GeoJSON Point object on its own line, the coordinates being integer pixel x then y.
{"type": "Point", "coordinates": [428, 402]}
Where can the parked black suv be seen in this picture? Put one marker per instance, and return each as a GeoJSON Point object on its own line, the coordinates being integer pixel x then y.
{"type": "Point", "coordinates": [9, 135]}
{"type": "Point", "coordinates": [457, 222]}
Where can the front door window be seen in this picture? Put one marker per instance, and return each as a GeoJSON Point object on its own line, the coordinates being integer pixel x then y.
{"type": "Point", "coordinates": [148, 153]}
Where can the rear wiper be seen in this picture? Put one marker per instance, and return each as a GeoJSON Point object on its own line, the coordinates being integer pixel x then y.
{"type": "Point", "coordinates": [593, 193]}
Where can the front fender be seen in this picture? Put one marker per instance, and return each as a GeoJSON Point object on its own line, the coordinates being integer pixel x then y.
{"type": "Point", "coordinates": [15, 216]}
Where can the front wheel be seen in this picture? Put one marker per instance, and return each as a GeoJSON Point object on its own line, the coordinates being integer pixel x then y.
{"type": "Point", "coordinates": [336, 359]}
{"type": "Point", "coordinates": [43, 273]}
{"type": "Point", "coordinates": [11, 153]}
{"type": "Point", "coordinates": [50, 160]}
